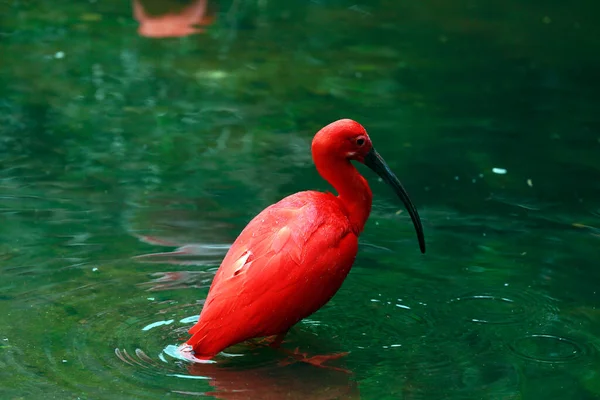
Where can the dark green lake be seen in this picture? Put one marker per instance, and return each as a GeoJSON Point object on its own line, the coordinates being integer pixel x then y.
{"type": "Point", "coordinates": [115, 145]}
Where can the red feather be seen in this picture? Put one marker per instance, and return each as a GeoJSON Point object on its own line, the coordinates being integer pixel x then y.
{"type": "Point", "coordinates": [285, 265]}
{"type": "Point", "coordinates": [294, 256]}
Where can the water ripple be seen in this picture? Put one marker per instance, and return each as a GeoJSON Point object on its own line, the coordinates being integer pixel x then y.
{"type": "Point", "coordinates": [500, 306]}
{"type": "Point", "coordinates": [470, 368]}
{"type": "Point", "coordinates": [389, 323]}
{"type": "Point", "coordinates": [138, 348]}
{"type": "Point", "coordinates": [552, 349]}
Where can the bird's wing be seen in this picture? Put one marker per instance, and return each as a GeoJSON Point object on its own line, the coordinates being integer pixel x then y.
{"type": "Point", "coordinates": [285, 247]}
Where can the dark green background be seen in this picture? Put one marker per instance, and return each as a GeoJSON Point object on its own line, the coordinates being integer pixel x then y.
{"type": "Point", "coordinates": [106, 136]}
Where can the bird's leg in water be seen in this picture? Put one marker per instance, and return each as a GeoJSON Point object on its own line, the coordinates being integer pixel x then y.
{"type": "Point", "coordinates": [276, 343]}
{"type": "Point", "coordinates": [316, 361]}
{"type": "Point", "coordinates": [273, 341]}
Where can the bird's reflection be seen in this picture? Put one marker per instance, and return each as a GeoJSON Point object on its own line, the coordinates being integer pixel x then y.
{"type": "Point", "coordinates": [188, 21]}
{"type": "Point", "coordinates": [192, 238]}
{"type": "Point", "coordinates": [197, 254]}
{"type": "Point", "coordinates": [291, 382]}
{"type": "Point", "coordinates": [186, 255]}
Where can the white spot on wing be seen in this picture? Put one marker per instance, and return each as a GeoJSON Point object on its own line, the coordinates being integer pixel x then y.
{"type": "Point", "coordinates": [241, 262]}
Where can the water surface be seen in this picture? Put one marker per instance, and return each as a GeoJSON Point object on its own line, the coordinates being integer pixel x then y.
{"type": "Point", "coordinates": [123, 135]}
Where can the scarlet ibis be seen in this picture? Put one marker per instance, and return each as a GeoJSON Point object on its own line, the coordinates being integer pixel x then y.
{"type": "Point", "coordinates": [293, 257]}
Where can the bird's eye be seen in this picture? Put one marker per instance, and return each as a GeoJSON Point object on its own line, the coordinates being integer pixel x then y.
{"type": "Point", "coordinates": [360, 141]}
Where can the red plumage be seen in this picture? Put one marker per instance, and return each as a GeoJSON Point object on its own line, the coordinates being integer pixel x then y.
{"type": "Point", "coordinates": [285, 265]}
{"type": "Point", "coordinates": [292, 257]}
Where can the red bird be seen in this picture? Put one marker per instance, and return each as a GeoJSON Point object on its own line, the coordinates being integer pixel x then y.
{"type": "Point", "coordinates": [293, 257]}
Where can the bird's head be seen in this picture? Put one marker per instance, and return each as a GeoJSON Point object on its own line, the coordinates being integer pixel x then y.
{"type": "Point", "coordinates": [347, 139]}
{"type": "Point", "coordinates": [344, 138]}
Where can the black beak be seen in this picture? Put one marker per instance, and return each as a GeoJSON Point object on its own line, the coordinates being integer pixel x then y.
{"type": "Point", "coordinates": [374, 161]}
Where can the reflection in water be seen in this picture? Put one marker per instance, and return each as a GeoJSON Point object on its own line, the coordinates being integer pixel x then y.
{"type": "Point", "coordinates": [264, 373]}
{"type": "Point", "coordinates": [188, 21]}
{"type": "Point", "coordinates": [198, 233]}
{"type": "Point", "coordinates": [296, 381]}
{"type": "Point", "coordinates": [178, 280]}
{"type": "Point", "coordinates": [184, 254]}
{"type": "Point", "coordinates": [592, 229]}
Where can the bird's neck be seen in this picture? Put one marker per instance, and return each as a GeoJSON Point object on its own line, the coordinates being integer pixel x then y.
{"type": "Point", "coordinates": [353, 190]}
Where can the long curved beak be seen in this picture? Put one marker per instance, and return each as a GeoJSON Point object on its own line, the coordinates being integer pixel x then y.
{"type": "Point", "coordinates": [374, 161]}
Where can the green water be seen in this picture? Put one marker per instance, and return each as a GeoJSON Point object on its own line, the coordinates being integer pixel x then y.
{"type": "Point", "coordinates": [114, 146]}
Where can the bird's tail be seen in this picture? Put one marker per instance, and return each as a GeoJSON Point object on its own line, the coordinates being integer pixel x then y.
{"type": "Point", "coordinates": [204, 342]}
